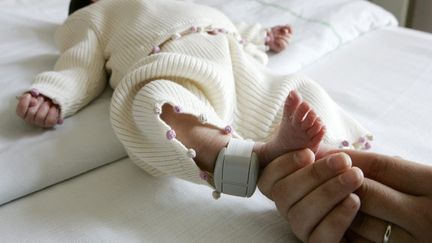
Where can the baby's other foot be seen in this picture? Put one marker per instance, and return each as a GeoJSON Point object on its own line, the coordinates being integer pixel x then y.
{"type": "Point", "coordinates": [300, 128]}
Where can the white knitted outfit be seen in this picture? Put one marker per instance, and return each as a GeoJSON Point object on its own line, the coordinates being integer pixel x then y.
{"type": "Point", "coordinates": [159, 52]}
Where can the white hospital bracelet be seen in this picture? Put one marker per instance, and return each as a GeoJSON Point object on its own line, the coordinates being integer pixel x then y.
{"type": "Point", "coordinates": [236, 169]}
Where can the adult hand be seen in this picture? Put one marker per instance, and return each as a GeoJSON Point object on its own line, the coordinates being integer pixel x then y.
{"type": "Point", "coordinates": [396, 192]}
{"type": "Point", "coordinates": [315, 197]}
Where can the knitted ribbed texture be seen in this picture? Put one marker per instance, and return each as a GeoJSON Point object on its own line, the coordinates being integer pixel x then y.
{"type": "Point", "coordinates": [215, 77]}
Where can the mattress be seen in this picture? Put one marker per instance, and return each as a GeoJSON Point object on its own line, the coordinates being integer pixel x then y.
{"type": "Point", "coordinates": [379, 73]}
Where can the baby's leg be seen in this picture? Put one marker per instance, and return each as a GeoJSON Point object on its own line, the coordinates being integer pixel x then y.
{"type": "Point", "coordinates": [205, 139]}
{"type": "Point", "coordinates": [300, 128]}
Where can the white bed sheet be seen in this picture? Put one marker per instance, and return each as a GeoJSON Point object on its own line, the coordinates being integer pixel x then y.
{"type": "Point", "coordinates": [121, 203]}
{"type": "Point", "coordinates": [32, 159]}
{"type": "Point", "coordinates": [382, 78]}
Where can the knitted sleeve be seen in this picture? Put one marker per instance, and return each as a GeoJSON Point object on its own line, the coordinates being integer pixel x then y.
{"type": "Point", "coordinates": [79, 75]}
{"type": "Point", "coordinates": [254, 33]}
{"type": "Point", "coordinates": [254, 37]}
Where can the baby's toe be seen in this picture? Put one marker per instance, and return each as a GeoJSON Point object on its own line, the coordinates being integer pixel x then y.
{"type": "Point", "coordinates": [316, 140]}
{"type": "Point", "coordinates": [319, 136]}
{"type": "Point", "coordinates": [309, 121]}
{"type": "Point", "coordinates": [291, 104]}
{"type": "Point", "coordinates": [316, 127]}
{"type": "Point", "coordinates": [301, 112]}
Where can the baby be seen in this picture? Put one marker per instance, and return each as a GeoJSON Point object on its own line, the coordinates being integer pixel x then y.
{"type": "Point", "coordinates": [186, 82]}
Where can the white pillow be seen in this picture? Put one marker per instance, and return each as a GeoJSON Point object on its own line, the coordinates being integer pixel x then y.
{"type": "Point", "coordinates": [319, 26]}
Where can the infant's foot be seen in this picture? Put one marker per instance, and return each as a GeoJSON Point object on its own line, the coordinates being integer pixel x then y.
{"type": "Point", "coordinates": [300, 128]}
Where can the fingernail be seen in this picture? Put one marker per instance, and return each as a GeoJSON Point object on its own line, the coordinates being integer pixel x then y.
{"type": "Point", "coordinates": [298, 157]}
{"type": "Point", "coordinates": [339, 161]}
{"type": "Point", "coordinates": [60, 121]}
{"type": "Point", "coordinates": [351, 177]}
{"type": "Point", "coordinates": [352, 202]}
{"type": "Point", "coordinates": [301, 157]}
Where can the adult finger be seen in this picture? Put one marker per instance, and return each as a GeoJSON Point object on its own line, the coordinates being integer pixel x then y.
{"type": "Point", "coordinates": [287, 191]}
{"type": "Point", "coordinates": [41, 114]}
{"type": "Point", "coordinates": [402, 175]}
{"type": "Point", "coordinates": [52, 117]}
{"type": "Point", "coordinates": [31, 111]}
{"type": "Point", "coordinates": [23, 105]}
{"type": "Point", "coordinates": [306, 214]}
{"type": "Point", "coordinates": [282, 167]}
{"type": "Point", "coordinates": [374, 229]}
{"type": "Point", "coordinates": [385, 203]}
{"type": "Point", "coordinates": [333, 227]}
